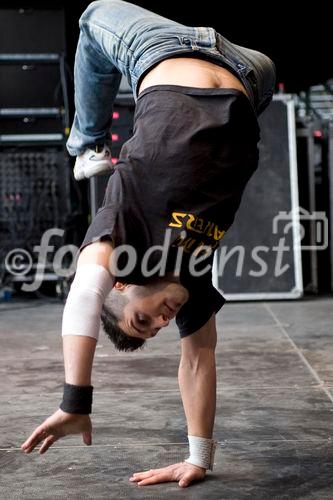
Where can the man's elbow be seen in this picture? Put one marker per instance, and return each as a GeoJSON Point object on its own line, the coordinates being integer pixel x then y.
{"type": "Point", "coordinates": [202, 361]}
{"type": "Point", "coordinates": [202, 343]}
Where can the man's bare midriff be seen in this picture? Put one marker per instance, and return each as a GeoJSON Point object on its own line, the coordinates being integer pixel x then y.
{"type": "Point", "coordinates": [190, 72]}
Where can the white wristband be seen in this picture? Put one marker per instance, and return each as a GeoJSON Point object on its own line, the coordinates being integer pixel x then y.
{"type": "Point", "coordinates": [202, 451]}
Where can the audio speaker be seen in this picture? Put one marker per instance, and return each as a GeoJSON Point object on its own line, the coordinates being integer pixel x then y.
{"type": "Point", "coordinates": [34, 195]}
{"type": "Point", "coordinates": [29, 30]}
{"type": "Point", "coordinates": [30, 83]}
{"type": "Point", "coordinates": [260, 256]}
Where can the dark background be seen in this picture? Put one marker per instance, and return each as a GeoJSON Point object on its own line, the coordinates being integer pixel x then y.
{"type": "Point", "coordinates": [297, 37]}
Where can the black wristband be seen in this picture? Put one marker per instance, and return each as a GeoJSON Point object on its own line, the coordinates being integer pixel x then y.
{"type": "Point", "coordinates": [77, 399]}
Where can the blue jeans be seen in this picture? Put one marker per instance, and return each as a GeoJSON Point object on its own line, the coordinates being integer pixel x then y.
{"type": "Point", "coordinates": [118, 38]}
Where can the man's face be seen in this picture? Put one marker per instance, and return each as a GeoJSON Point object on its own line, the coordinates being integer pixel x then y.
{"type": "Point", "coordinates": [150, 307]}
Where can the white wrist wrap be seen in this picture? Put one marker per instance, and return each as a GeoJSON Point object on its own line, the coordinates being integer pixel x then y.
{"type": "Point", "coordinates": [82, 312]}
{"type": "Point", "coordinates": [202, 451]}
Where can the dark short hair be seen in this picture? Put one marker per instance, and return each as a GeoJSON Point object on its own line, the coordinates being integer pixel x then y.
{"type": "Point", "coordinates": [120, 339]}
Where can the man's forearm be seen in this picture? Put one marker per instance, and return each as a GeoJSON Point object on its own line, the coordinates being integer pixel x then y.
{"type": "Point", "coordinates": [197, 383]}
{"type": "Point", "coordinates": [78, 359]}
{"type": "Point", "coordinates": [81, 317]}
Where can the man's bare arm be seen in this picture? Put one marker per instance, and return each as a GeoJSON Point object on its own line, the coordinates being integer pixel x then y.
{"type": "Point", "coordinates": [197, 379]}
{"type": "Point", "coordinates": [79, 350]}
{"type": "Point", "coordinates": [197, 382]}
{"type": "Point", "coordinates": [78, 360]}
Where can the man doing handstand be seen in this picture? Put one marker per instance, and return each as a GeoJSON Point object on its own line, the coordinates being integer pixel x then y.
{"type": "Point", "coordinates": [174, 191]}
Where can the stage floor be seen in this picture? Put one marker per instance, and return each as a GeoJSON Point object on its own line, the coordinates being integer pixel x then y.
{"type": "Point", "coordinates": [274, 420]}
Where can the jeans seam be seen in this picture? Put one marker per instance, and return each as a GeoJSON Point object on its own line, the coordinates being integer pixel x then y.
{"type": "Point", "coordinates": [107, 31]}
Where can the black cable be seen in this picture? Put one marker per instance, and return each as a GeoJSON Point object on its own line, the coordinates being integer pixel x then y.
{"type": "Point", "coordinates": [64, 90]}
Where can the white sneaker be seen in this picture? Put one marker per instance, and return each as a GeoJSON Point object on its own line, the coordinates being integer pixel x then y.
{"type": "Point", "coordinates": [93, 162]}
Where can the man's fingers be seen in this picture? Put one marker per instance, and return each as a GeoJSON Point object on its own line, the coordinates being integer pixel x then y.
{"type": "Point", "coordinates": [160, 477]}
{"type": "Point", "coordinates": [149, 472]}
{"type": "Point", "coordinates": [30, 439]}
{"type": "Point", "coordinates": [176, 472]}
{"type": "Point", "coordinates": [36, 437]}
{"type": "Point", "coordinates": [87, 439]}
{"type": "Point", "coordinates": [185, 480]}
{"type": "Point", "coordinates": [142, 475]}
{"type": "Point", "coordinates": [151, 477]}
{"type": "Point", "coordinates": [47, 443]}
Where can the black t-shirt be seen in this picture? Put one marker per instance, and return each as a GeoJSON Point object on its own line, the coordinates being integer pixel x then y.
{"type": "Point", "coordinates": [184, 170]}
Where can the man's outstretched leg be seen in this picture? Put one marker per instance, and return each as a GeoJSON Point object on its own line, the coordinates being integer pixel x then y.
{"type": "Point", "coordinates": [117, 38]}
{"type": "Point", "coordinates": [97, 82]}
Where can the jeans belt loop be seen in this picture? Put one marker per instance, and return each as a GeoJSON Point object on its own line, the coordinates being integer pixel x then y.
{"type": "Point", "coordinates": [190, 42]}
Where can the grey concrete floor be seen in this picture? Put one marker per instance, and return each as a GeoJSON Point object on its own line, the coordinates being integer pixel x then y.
{"type": "Point", "coordinates": [274, 420]}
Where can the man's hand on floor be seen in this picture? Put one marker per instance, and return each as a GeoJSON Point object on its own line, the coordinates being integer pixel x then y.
{"type": "Point", "coordinates": [182, 472]}
{"type": "Point", "coordinates": [56, 426]}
